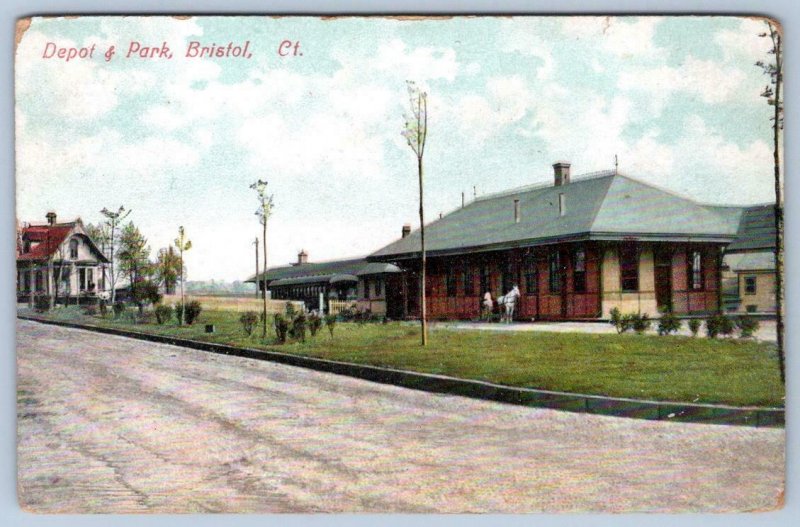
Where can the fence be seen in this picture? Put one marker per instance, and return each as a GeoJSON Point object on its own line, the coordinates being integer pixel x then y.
{"type": "Point", "coordinates": [337, 306]}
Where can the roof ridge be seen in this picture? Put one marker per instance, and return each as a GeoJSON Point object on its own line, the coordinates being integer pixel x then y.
{"type": "Point", "coordinates": [588, 176]}
{"type": "Point", "coordinates": [600, 205]}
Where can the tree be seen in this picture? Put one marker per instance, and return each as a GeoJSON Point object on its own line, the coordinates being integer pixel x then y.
{"type": "Point", "coordinates": [416, 134]}
{"type": "Point", "coordinates": [133, 254]}
{"type": "Point", "coordinates": [168, 268]}
{"type": "Point", "coordinates": [113, 219]}
{"type": "Point", "coordinates": [263, 212]}
{"type": "Point", "coordinates": [145, 292]}
{"type": "Point", "coordinates": [182, 245]}
{"type": "Point", "coordinates": [773, 92]}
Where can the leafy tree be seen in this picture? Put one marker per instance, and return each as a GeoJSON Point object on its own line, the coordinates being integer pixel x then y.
{"type": "Point", "coordinates": [113, 219]}
{"type": "Point", "coordinates": [134, 254]}
{"type": "Point", "coordinates": [145, 292]}
{"type": "Point", "coordinates": [773, 92]}
{"type": "Point", "coordinates": [183, 245]}
{"type": "Point", "coordinates": [416, 134]}
{"type": "Point", "coordinates": [263, 212]}
{"type": "Point", "coordinates": [168, 268]}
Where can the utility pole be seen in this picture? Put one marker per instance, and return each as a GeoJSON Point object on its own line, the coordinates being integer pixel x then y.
{"type": "Point", "coordinates": [258, 284]}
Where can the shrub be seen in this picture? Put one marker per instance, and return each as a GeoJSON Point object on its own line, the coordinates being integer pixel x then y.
{"type": "Point", "coordinates": [747, 326]}
{"type": "Point", "coordinates": [668, 323]}
{"type": "Point", "coordinates": [119, 308]}
{"type": "Point", "coordinates": [41, 303]}
{"type": "Point", "coordinates": [298, 327]}
{"type": "Point", "coordinates": [640, 323]}
{"type": "Point", "coordinates": [330, 323]}
{"type": "Point", "coordinates": [248, 320]}
{"type": "Point", "coordinates": [90, 310]}
{"type": "Point", "coordinates": [193, 310]}
{"type": "Point", "coordinates": [694, 326]}
{"type": "Point", "coordinates": [623, 322]}
{"type": "Point", "coordinates": [291, 311]}
{"type": "Point", "coordinates": [719, 325]}
{"type": "Point", "coordinates": [103, 307]}
{"type": "Point", "coordinates": [145, 292]}
{"type": "Point", "coordinates": [314, 323]}
{"type": "Point", "coordinates": [163, 313]}
{"type": "Point", "coordinates": [281, 327]}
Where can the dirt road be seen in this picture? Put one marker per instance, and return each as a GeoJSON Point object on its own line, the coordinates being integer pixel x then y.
{"type": "Point", "coordinates": [109, 424]}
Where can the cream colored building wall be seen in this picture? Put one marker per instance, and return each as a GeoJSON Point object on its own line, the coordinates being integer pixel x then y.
{"type": "Point", "coordinates": [764, 297]}
{"type": "Point", "coordinates": [643, 301]}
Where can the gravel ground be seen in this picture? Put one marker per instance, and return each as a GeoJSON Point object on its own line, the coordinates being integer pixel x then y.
{"type": "Point", "coordinates": [109, 424]}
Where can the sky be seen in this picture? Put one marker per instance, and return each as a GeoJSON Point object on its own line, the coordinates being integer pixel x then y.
{"type": "Point", "coordinates": [179, 141]}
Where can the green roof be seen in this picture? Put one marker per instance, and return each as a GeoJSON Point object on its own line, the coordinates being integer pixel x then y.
{"type": "Point", "coordinates": [605, 206]}
{"type": "Point", "coordinates": [756, 230]}
{"type": "Point", "coordinates": [324, 272]}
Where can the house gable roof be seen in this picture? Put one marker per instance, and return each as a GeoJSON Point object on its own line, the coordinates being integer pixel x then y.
{"type": "Point", "coordinates": [603, 206]}
{"type": "Point", "coordinates": [49, 238]}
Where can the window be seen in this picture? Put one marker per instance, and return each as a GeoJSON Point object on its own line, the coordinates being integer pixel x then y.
{"type": "Point", "coordinates": [629, 267]}
{"type": "Point", "coordinates": [531, 274]}
{"type": "Point", "coordinates": [749, 285]}
{"type": "Point", "coordinates": [696, 270]}
{"type": "Point", "coordinates": [366, 287]}
{"type": "Point", "coordinates": [73, 249]}
{"type": "Point", "coordinates": [485, 280]}
{"type": "Point", "coordinates": [579, 271]}
{"type": "Point", "coordinates": [379, 287]}
{"type": "Point", "coordinates": [554, 266]}
{"type": "Point", "coordinates": [469, 280]}
{"type": "Point", "coordinates": [450, 282]}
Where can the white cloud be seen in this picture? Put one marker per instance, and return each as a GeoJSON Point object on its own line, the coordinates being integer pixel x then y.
{"type": "Point", "coordinates": [619, 36]}
{"type": "Point", "coordinates": [710, 81]}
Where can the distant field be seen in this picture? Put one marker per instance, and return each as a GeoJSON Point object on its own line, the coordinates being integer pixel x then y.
{"type": "Point", "coordinates": [232, 303]}
{"type": "Point", "coordinates": [639, 366]}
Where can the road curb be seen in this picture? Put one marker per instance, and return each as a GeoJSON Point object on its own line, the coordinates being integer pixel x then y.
{"type": "Point", "coordinates": [572, 402]}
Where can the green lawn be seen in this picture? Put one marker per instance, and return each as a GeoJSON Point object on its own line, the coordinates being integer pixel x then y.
{"type": "Point", "coordinates": [652, 367]}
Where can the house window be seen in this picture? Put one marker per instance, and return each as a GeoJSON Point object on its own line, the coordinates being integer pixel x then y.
{"type": "Point", "coordinates": [450, 282]}
{"type": "Point", "coordinates": [629, 267]}
{"type": "Point", "coordinates": [379, 287]}
{"type": "Point", "coordinates": [554, 267]}
{"type": "Point", "coordinates": [749, 285]}
{"type": "Point", "coordinates": [579, 271]}
{"type": "Point", "coordinates": [485, 282]}
{"type": "Point", "coordinates": [73, 249]}
{"type": "Point", "coordinates": [696, 270]}
{"type": "Point", "coordinates": [531, 274]}
{"type": "Point", "coordinates": [469, 281]}
{"type": "Point", "coordinates": [366, 287]}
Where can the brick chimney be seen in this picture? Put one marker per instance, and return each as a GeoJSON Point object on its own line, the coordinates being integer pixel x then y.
{"type": "Point", "coordinates": [302, 257]}
{"type": "Point", "coordinates": [406, 230]}
{"type": "Point", "coordinates": [51, 218]}
{"type": "Point", "coordinates": [561, 173]}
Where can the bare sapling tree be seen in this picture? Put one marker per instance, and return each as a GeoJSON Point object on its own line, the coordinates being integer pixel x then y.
{"type": "Point", "coordinates": [416, 133]}
{"type": "Point", "coordinates": [183, 245]}
{"type": "Point", "coordinates": [773, 92]}
{"type": "Point", "coordinates": [263, 212]}
{"type": "Point", "coordinates": [113, 219]}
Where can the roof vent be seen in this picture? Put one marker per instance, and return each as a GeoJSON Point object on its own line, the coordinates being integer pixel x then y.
{"type": "Point", "coordinates": [51, 218]}
{"type": "Point", "coordinates": [561, 173]}
{"type": "Point", "coordinates": [562, 204]}
{"type": "Point", "coordinates": [302, 257]}
{"type": "Point", "coordinates": [406, 230]}
{"type": "Point", "coordinates": [517, 215]}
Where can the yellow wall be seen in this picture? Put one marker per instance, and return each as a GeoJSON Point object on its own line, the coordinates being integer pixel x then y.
{"type": "Point", "coordinates": [643, 301]}
{"type": "Point", "coordinates": [764, 298]}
